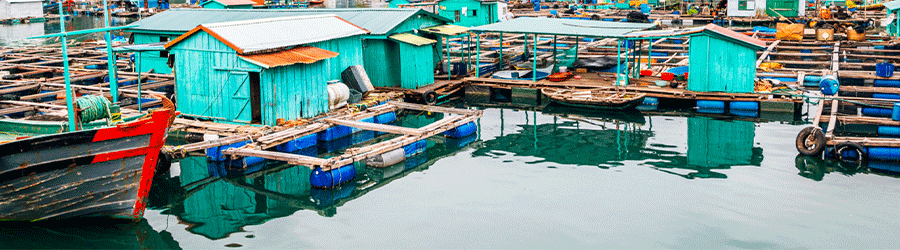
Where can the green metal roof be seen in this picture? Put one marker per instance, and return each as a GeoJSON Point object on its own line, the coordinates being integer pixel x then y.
{"type": "Point", "coordinates": [411, 39]}
{"type": "Point", "coordinates": [893, 5]}
{"type": "Point", "coordinates": [377, 21]}
{"type": "Point", "coordinates": [446, 29]}
{"type": "Point", "coordinates": [566, 27]}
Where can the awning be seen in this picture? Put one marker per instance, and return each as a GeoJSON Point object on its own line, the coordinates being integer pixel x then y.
{"type": "Point", "coordinates": [447, 30]}
{"type": "Point", "coordinates": [411, 39]}
{"type": "Point", "coordinates": [141, 47]}
{"type": "Point", "coordinates": [306, 55]}
{"type": "Point", "coordinates": [565, 27]}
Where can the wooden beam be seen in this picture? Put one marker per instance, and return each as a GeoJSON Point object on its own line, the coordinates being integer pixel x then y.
{"type": "Point", "coordinates": [375, 127]}
{"type": "Point", "coordinates": [293, 159]}
{"type": "Point", "coordinates": [766, 53]}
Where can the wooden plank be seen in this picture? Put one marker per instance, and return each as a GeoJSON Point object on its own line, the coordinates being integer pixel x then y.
{"type": "Point", "coordinates": [430, 108]}
{"type": "Point", "coordinates": [766, 53]}
{"type": "Point", "coordinates": [375, 127]}
{"type": "Point", "coordinates": [293, 159]}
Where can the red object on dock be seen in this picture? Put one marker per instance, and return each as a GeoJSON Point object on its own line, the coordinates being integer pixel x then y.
{"type": "Point", "coordinates": [685, 76]}
{"type": "Point", "coordinates": [667, 76]}
{"type": "Point", "coordinates": [646, 72]}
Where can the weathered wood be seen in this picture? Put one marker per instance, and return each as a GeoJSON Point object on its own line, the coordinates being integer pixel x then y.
{"type": "Point", "coordinates": [375, 127]}
{"type": "Point", "coordinates": [293, 159]}
{"type": "Point", "coordinates": [766, 53]}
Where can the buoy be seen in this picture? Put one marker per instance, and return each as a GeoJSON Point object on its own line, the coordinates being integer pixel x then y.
{"type": "Point", "coordinates": [741, 105]}
{"type": "Point", "coordinates": [887, 83]}
{"type": "Point", "coordinates": [333, 178]}
{"type": "Point", "coordinates": [895, 115]}
{"type": "Point", "coordinates": [829, 85]}
{"type": "Point", "coordinates": [461, 131]}
{"type": "Point", "coordinates": [297, 144]}
{"type": "Point", "coordinates": [415, 148]}
{"type": "Point", "coordinates": [711, 105]}
{"type": "Point", "coordinates": [885, 96]}
{"type": "Point", "coordinates": [884, 153]}
{"type": "Point", "coordinates": [878, 112]}
{"type": "Point", "coordinates": [386, 117]}
{"type": "Point", "coordinates": [387, 159]}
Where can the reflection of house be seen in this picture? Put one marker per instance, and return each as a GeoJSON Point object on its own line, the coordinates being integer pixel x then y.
{"type": "Point", "coordinates": [748, 8]}
{"type": "Point", "coordinates": [716, 143]}
{"type": "Point", "coordinates": [15, 9]}
{"type": "Point", "coordinates": [414, 54]}
{"type": "Point", "coordinates": [258, 71]}
{"type": "Point", "coordinates": [469, 13]}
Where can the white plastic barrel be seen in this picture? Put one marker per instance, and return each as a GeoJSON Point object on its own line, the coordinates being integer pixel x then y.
{"type": "Point", "coordinates": [338, 93]}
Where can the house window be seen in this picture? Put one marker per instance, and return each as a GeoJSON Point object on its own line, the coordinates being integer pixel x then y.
{"type": "Point", "coordinates": [163, 54]}
{"type": "Point", "coordinates": [473, 13]}
{"type": "Point", "coordinates": [457, 15]}
{"type": "Point", "coordinates": [746, 5]}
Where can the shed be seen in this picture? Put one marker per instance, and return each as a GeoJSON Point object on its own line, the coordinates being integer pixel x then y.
{"type": "Point", "coordinates": [721, 60]}
{"type": "Point", "coordinates": [16, 9]}
{"type": "Point", "coordinates": [228, 4]}
{"type": "Point", "coordinates": [382, 55]}
{"type": "Point", "coordinates": [469, 13]}
{"type": "Point", "coordinates": [253, 71]}
{"type": "Point", "coordinates": [892, 8]}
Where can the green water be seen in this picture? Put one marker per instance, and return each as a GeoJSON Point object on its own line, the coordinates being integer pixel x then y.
{"type": "Point", "coordinates": [16, 35]}
{"type": "Point", "coordinates": [556, 178]}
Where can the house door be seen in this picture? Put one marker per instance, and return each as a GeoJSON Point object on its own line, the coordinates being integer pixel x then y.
{"type": "Point", "coordinates": [255, 100]}
{"type": "Point", "coordinates": [239, 108]}
{"type": "Point", "coordinates": [787, 8]}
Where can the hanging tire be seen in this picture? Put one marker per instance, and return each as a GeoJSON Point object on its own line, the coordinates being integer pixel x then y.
{"type": "Point", "coordinates": [430, 97]}
{"type": "Point", "coordinates": [847, 146]}
{"type": "Point", "coordinates": [811, 141]}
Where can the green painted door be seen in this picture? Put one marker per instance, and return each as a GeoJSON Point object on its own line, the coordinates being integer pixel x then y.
{"type": "Point", "coordinates": [239, 105]}
{"type": "Point", "coordinates": [788, 8]}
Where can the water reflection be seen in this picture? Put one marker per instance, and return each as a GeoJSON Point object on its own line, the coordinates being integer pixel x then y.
{"type": "Point", "coordinates": [17, 35]}
{"type": "Point", "coordinates": [14, 35]}
{"type": "Point", "coordinates": [84, 234]}
{"type": "Point", "coordinates": [591, 138]}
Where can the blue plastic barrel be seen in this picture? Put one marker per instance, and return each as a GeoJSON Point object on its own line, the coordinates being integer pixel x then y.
{"type": "Point", "coordinates": [297, 144]}
{"type": "Point", "coordinates": [553, 12]}
{"type": "Point", "coordinates": [878, 112]}
{"type": "Point", "coordinates": [888, 131]}
{"type": "Point", "coordinates": [649, 104]}
{"type": "Point", "coordinates": [886, 166]}
{"type": "Point", "coordinates": [749, 106]}
{"type": "Point", "coordinates": [896, 114]}
{"type": "Point", "coordinates": [461, 131]}
{"type": "Point", "coordinates": [744, 113]}
{"type": "Point", "coordinates": [215, 153]}
{"type": "Point", "coordinates": [887, 83]}
{"type": "Point", "coordinates": [334, 133]}
{"type": "Point", "coordinates": [415, 148]}
{"type": "Point", "coordinates": [829, 85]}
{"type": "Point", "coordinates": [706, 104]}
{"type": "Point", "coordinates": [885, 96]}
{"type": "Point", "coordinates": [884, 153]}
{"type": "Point", "coordinates": [333, 178]}
{"type": "Point", "coordinates": [386, 118]}
{"type": "Point", "coordinates": [884, 69]}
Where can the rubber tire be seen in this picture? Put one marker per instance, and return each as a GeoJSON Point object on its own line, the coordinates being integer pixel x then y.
{"type": "Point", "coordinates": [430, 97]}
{"type": "Point", "coordinates": [595, 17]}
{"type": "Point", "coordinates": [819, 143]}
{"type": "Point", "coordinates": [843, 146]}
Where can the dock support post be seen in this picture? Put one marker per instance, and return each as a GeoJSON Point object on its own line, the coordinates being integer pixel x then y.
{"type": "Point", "coordinates": [649, 52]}
{"type": "Point", "coordinates": [576, 48]}
{"type": "Point", "coordinates": [534, 61]}
{"type": "Point", "coordinates": [478, 55]}
{"type": "Point", "coordinates": [618, 59]}
{"type": "Point", "coordinates": [637, 63]}
{"type": "Point", "coordinates": [70, 105]}
{"type": "Point", "coordinates": [500, 67]}
{"type": "Point", "coordinates": [110, 57]}
{"type": "Point", "coordinates": [138, 66]}
{"type": "Point", "coordinates": [554, 50]}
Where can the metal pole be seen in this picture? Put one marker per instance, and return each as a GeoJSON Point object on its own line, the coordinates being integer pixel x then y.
{"type": "Point", "coordinates": [576, 48]}
{"type": "Point", "coordinates": [70, 105]}
{"type": "Point", "coordinates": [618, 59]}
{"type": "Point", "coordinates": [501, 52]}
{"type": "Point", "coordinates": [554, 49]}
{"type": "Point", "coordinates": [478, 55]}
{"type": "Point", "coordinates": [649, 52]}
{"type": "Point", "coordinates": [110, 57]}
{"type": "Point", "coordinates": [637, 64]}
{"type": "Point", "coordinates": [138, 66]}
{"type": "Point", "coordinates": [534, 61]}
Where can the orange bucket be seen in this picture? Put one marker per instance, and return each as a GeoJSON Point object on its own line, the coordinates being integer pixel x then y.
{"type": "Point", "coordinates": [667, 76]}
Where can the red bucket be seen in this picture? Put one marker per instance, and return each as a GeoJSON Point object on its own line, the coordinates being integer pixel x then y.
{"type": "Point", "coordinates": [685, 75]}
{"type": "Point", "coordinates": [646, 72]}
{"type": "Point", "coordinates": [667, 76]}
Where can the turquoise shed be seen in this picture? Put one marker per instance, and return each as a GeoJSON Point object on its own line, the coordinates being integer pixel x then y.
{"type": "Point", "coordinates": [469, 13]}
{"type": "Point", "coordinates": [228, 4]}
{"type": "Point", "coordinates": [382, 56]}
{"type": "Point", "coordinates": [722, 60]}
{"type": "Point", "coordinates": [893, 8]}
{"type": "Point", "coordinates": [254, 72]}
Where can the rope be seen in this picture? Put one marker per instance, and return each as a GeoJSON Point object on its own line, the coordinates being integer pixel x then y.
{"type": "Point", "coordinates": [93, 108]}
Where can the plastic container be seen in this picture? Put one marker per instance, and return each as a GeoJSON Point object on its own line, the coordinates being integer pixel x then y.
{"type": "Point", "coordinates": [661, 83]}
{"type": "Point", "coordinates": [666, 76]}
{"type": "Point", "coordinates": [746, 106]}
{"type": "Point", "coordinates": [415, 148]}
{"type": "Point", "coordinates": [461, 131]}
{"type": "Point", "coordinates": [330, 179]}
{"type": "Point", "coordinates": [387, 159]}
{"type": "Point", "coordinates": [884, 69]}
{"type": "Point", "coordinates": [878, 112]}
{"type": "Point", "coordinates": [705, 104]}
{"type": "Point", "coordinates": [335, 132]}
{"type": "Point", "coordinates": [386, 118]}
{"type": "Point", "coordinates": [885, 96]}
{"type": "Point", "coordinates": [896, 112]}
{"type": "Point", "coordinates": [829, 85]}
{"type": "Point", "coordinates": [889, 131]}
{"type": "Point", "coordinates": [884, 153]}
{"type": "Point", "coordinates": [887, 83]}
{"type": "Point", "coordinates": [297, 144]}
{"type": "Point", "coordinates": [646, 72]}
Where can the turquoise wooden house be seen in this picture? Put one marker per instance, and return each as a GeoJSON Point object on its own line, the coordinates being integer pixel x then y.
{"type": "Point", "coordinates": [386, 64]}
{"type": "Point", "coordinates": [228, 4]}
{"type": "Point", "coordinates": [722, 60]}
{"type": "Point", "coordinates": [469, 13]}
{"type": "Point", "coordinates": [893, 8]}
{"type": "Point", "coordinates": [257, 71]}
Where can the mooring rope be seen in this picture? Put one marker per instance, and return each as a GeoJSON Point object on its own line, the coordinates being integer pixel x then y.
{"type": "Point", "coordinates": [93, 107]}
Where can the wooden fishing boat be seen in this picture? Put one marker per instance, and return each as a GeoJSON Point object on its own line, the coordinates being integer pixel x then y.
{"type": "Point", "coordinates": [594, 98]}
{"type": "Point", "coordinates": [102, 172]}
{"type": "Point", "coordinates": [541, 73]}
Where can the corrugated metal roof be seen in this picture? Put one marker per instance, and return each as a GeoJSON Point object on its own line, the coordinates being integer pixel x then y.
{"type": "Point", "coordinates": [160, 46]}
{"type": "Point", "coordinates": [272, 33]}
{"type": "Point", "coordinates": [377, 21]}
{"type": "Point", "coordinates": [892, 5]}
{"type": "Point", "coordinates": [734, 35]}
{"type": "Point", "coordinates": [231, 2]}
{"type": "Point", "coordinates": [305, 54]}
{"type": "Point", "coordinates": [447, 30]}
{"type": "Point", "coordinates": [411, 39]}
{"type": "Point", "coordinates": [559, 26]}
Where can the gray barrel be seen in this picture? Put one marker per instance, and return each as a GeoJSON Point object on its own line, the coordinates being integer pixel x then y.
{"type": "Point", "coordinates": [390, 158]}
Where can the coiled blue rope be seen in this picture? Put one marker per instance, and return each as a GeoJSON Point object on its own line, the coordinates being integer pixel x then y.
{"type": "Point", "coordinates": [93, 108]}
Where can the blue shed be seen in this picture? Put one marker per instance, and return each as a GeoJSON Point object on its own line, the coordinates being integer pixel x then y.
{"type": "Point", "coordinates": [255, 71]}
